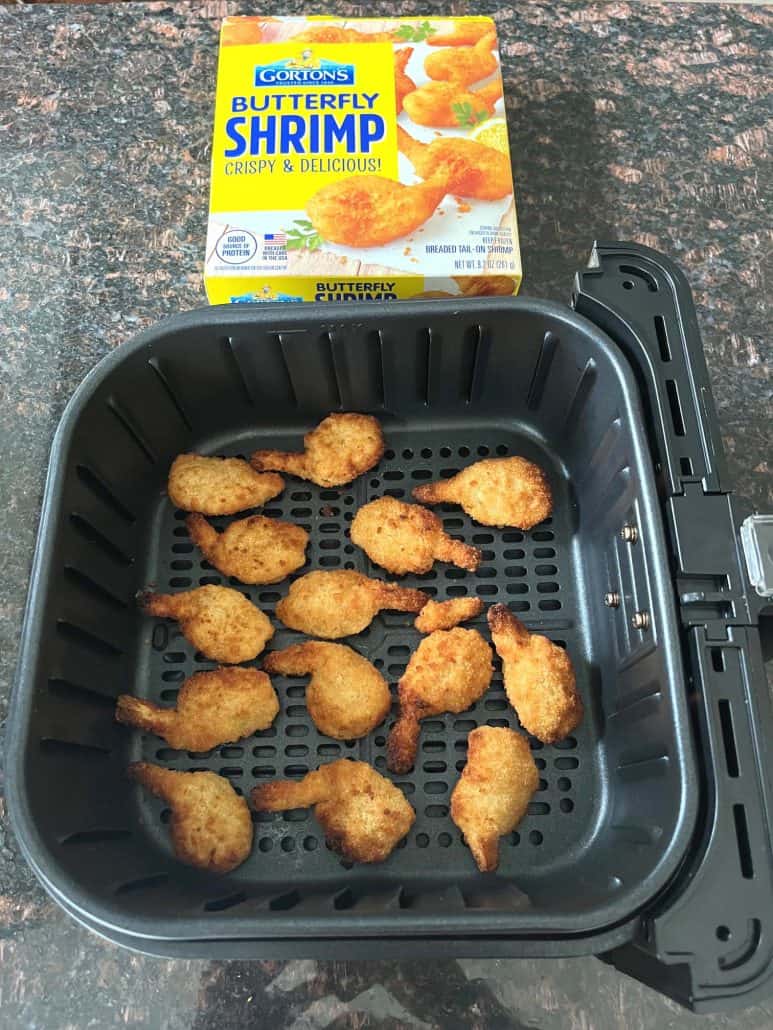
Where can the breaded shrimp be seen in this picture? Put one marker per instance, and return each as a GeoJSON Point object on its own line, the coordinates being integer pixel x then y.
{"type": "Point", "coordinates": [342, 602]}
{"type": "Point", "coordinates": [403, 83]}
{"type": "Point", "coordinates": [463, 33]}
{"type": "Point", "coordinates": [463, 64]}
{"type": "Point", "coordinates": [253, 550]}
{"type": "Point", "coordinates": [370, 210]}
{"type": "Point", "coordinates": [495, 492]}
{"type": "Point", "coordinates": [447, 614]}
{"type": "Point", "coordinates": [447, 672]}
{"type": "Point", "coordinates": [339, 34]}
{"type": "Point", "coordinates": [363, 814]}
{"type": "Point", "coordinates": [219, 486]}
{"type": "Point", "coordinates": [539, 678]}
{"type": "Point", "coordinates": [407, 538]}
{"type": "Point", "coordinates": [448, 105]}
{"type": "Point", "coordinates": [494, 790]}
{"type": "Point", "coordinates": [485, 285]}
{"type": "Point", "coordinates": [340, 448]}
{"type": "Point", "coordinates": [218, 621]}
{"type": "Point", "coordinates": [211, 826]}
{"type": "Point", "coordinates": [212, 708]}
{"type": "Point", "coordinates": [471, 169]}
{"type": "Point", "coordinates": [241, 31]}
{"type": "Point", "coordinates": [347, 697]}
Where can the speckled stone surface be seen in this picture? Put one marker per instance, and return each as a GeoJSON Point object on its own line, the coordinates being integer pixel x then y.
{"type": "Point", "coordinates": [627, 120]}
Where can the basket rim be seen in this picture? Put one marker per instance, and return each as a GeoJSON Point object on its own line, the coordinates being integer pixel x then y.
{"type": "Point", "coordinates": [471, 922]}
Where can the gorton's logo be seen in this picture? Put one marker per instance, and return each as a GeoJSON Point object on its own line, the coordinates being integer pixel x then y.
{"type": "Point", "coordinates": [305, 70]}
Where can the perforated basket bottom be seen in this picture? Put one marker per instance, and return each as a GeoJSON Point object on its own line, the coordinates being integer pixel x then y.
{"type": "Point", "coordinates": [535, 573]}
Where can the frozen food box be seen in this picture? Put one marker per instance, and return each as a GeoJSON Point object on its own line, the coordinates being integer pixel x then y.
{"type": "Point", "coordinates": [360, 158]}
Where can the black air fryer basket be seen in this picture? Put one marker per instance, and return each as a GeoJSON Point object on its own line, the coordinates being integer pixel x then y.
{"type": "Point", "coordinates": [648, 841]}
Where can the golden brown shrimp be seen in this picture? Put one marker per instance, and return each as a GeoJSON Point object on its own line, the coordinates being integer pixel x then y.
{"type": "Point", "coordinates": [253, 550]}
{"type": "Point", "coordinates": [403, 83]}
{"type": "Point", "coordinates": [494, 790]}
{"type": "Point", "coordinates": [463, 64]}
{"type": "Point", "coordinates": [448, 105]}
{"type": "Point", "coordinates": [463, 33]}
{"type": "Point", "coordinates": [212, 708]}
{"type": "Point", "coordinates": [363, 814]}
{"type": "Point", "coordinates": [495, 492]}
{"type": "Point", "coordinates": [342, 602]}
{"type": "Point", "coordinates": [340, 448]}
{"type": "Point", "coordinates": [339, 34]}
{"type": "Point", "coordinates": [448, 672]}
{"type": "Point", "coordinates": [447, 614]}
{"type": "Point", "coordinates": [370, 211]}
{"type": "Point", "coordinates": [485, 285]}
{"type": "Point", "coordinates": [471, 169]}
{"type": "Point", "coordinates": [241, 31]}
{"type": "Point", "coordinates": [347, 697]}
{"type": "Point", "coordinates": [405, 538]}
{"type": "Point", "coordinates": [219, 486]}
{"type": "Point", "coordinates": [218, 621]}
{"type": "Point", "coordinates": [539, 678]}
{"type": "Point", "coordinates": [211, 826]}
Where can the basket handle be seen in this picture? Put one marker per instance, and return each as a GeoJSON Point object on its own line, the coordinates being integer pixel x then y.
{"type": "Point", "coordinates": [708, 942]}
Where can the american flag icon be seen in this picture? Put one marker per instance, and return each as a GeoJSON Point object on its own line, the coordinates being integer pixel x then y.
{"type": "Point", "coordinates": [278, 238]}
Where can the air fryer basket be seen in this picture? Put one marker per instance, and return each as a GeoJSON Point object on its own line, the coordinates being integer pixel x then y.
{"type": "Point", "coordinates": [610, 825]}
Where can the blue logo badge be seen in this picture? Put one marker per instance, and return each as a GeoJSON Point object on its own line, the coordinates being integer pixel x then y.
{"type": "Point", "coordinates": [306, 70]}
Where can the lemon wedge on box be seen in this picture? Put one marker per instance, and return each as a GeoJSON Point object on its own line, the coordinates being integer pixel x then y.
{"type": "Point", "coordinates": [493, 133]}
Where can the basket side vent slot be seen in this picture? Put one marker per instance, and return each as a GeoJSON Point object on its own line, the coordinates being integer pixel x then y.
{"type": "Point", "coordinates": [134, 432]}
{"type": "Point", "coordinates": [581, 396]}
{"type": "Point", "coordinates": [376, 346]}
{"type": "Point", "coordinates": [51, 746]}
{"type": "Point", "coordinates": [229, 901]}
{"type": "Point", "coordinates": [358, 369]}
{"type": "Point", "coordinates": [467, 358]}
{"type": "Point", "coordinates": [310, 369]}
{"type": "Point", "coordinates": [232, 364]}
{"type": "Point", "coordinates": [344, 899]}
{"type": "Point", "coordinates": [424, 366]}
{"type": "Point", "coordinates": [284, 902]}
{"type": "Point", "coordinates": [174, 400]}
{"type": "Point", "coordinates": [89, 641]}
{"type": "Point", "coordinates": [143, 883]}
{"type": "Point", "coordinates": [96, 836]}
{"type": "Point", "coordinates": [93, 588]}
{"type": "Point", "coordinates": [480, 345]}
{"type": "Point", "coordinates": [405, 368]}
{"type": "Point", "coordinates": [66, 689]}
{"type": "Point", "coordinates": [542, 370]}
{"type": "Point", "coordinates": [100, 488]}
{"type": "Point", "coordinates": [94, 536]}
{"type": "Point", "coordinates": [337, 384]}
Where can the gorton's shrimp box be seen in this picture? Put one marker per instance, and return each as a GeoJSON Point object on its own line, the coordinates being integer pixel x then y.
{"type": "Point", "coordinates": [358, 159]}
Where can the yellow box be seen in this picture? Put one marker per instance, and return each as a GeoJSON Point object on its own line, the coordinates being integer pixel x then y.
{"type": "Point", "coordinates": [360, 158]}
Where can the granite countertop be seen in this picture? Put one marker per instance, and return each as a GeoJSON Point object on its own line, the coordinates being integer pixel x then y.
{"type": "Point", "coordinates": [627, 120]}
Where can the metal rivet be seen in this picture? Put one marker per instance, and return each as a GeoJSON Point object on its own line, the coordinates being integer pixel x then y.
{"type": "Point", "coordinates": [630, 534]}
{"type": "Point", "coordinates": [640, 620]}
{"type": "Point", "coordinates": [612, 599]}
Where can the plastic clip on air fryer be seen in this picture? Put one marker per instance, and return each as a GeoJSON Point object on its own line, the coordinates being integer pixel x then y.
{"type": "Point", "coordinates": [707, 942]}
